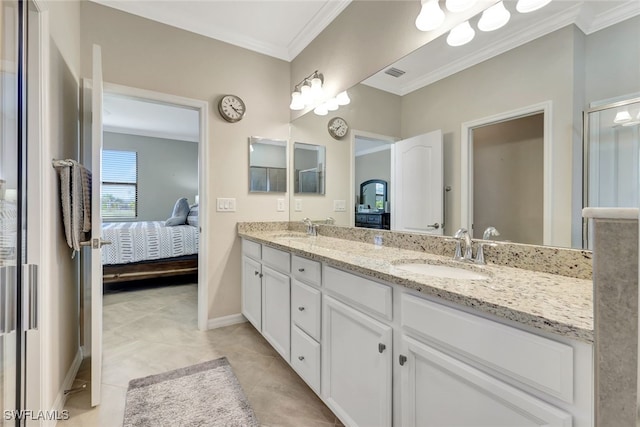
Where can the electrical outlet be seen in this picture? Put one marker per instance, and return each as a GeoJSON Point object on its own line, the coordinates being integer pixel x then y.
{"type": "Point", "coordinates": [339, 205]}
{"type": "Point", "coordinates": [298, 205]}
{"type": "Point", "coordinates": [224, 204]}
{"type": "Point", "coordinates": [280, 207]}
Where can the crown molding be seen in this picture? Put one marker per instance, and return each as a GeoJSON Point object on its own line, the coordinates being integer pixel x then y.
{"type": "Point", "coordinates": [510, 41]}
{"type": "Point", "coordinates": [612, 16]}
{"type": "Point", "coordinates": [320, 21]}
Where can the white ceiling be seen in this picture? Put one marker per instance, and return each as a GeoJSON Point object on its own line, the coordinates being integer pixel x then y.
{"type": "Point", "coordinates": [281, 29]}
{"type": "Point", "coordinates": [437, 60]}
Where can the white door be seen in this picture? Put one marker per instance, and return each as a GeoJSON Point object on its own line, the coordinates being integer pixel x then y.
{"type": "Point", "coordinates": [92, 255]}
{"type": "Point", "coordinates": [252, 291]}
{"type": "Point", "coordinates": [276, 314]}
{"type": "Point", "coordinates": [439, 390]}
{"type": "Point", "coordinates": [417, 184]}
{"type": "Point", "coordinates": [356, 365]}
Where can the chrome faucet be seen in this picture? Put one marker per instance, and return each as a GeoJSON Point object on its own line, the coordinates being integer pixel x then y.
{"type": "Point", "coordinates": [461, 234]}
{"type": "Point", "coordinates": [488, 233]}
{"type": "Point", "coordinates": [329, 221]}
{"type": "Point", "coordinates": [312, 229]}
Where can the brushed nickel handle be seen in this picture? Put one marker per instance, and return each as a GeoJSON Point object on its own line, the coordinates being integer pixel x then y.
{"type": "Point", "coordinates": [301, 270]}
{"type": "Point", "coordinates": [301, 358]}
{"type": "Point", "coordinates": [301, 308]}
{"type": "Point", "coordinates": [402, 359]}
{"type": "Point", "coordinates": [255, 273]}
{"type": "Point", "coordinates": [381, 347]}
{"type": "Point", "coordinates": [434, 226]}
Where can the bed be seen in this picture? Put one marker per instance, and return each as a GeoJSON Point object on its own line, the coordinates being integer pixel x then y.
{"type": "Point", "coordinates": [148, 249]}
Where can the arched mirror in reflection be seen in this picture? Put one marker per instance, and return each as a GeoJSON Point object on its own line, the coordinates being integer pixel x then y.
{"type": "Point", "coordinates": [373, 205]}
{"type": "Point", "coordinates": [267, 165]}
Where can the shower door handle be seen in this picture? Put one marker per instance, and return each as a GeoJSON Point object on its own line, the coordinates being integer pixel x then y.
{"type": "Point", "coordinates": [30, 296]}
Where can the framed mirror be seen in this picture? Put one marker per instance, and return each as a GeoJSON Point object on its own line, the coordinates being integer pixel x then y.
{"type": "Point", "coordinates": [308, 168]}
{"type": "Point", "coordinates": [373, 195]}
{"type": "Point", "coordinates": [267, 165]}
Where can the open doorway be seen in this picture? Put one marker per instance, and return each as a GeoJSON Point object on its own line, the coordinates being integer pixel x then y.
{"type": "Point", "coordinates": [508, 180]}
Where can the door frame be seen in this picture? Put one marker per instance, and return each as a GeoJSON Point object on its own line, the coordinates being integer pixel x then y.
{"type": "Point", "coordinates": [466, 163]}
{"type": "Point", "coordinates": [203, 178]}
{"type": "Point", "coordinates": [352, 155]}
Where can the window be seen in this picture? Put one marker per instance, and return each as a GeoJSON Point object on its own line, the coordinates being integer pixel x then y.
{"type": "Point", "coordinates": [119, 184]}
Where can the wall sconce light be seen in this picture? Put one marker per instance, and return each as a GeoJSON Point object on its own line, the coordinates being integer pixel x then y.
{"type": "Point", "coordinates": [493, 18]}
{"type": "Point", "coordinates": [430, 17]}
{"type": "Point", "coordinates": [307, 92]}
{"type": "Point", "coordinates": [459, 5]}
{"type": "Point", "coordinates": [461, 34]}
{"type": "Point", "coordinates": [526, 6]}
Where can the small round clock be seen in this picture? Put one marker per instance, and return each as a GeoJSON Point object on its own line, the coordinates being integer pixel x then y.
{"type": "Point", "coordinates": [338, 127]}
{"type": "Point", "coordinates": [231, 108]}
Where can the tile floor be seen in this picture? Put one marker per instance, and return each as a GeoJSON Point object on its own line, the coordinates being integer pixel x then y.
{"type": "Point", "coordinates": [152, 330]}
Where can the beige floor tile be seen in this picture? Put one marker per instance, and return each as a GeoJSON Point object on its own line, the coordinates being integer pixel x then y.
{"type": "Point", "coordinates": [153, 330]}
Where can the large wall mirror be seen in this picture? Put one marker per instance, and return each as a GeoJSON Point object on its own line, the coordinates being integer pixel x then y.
{"type": "Point", "coordinates": [308, 168]}
{"type": "Point", "coordinates": [267, 165]}
{"type": "Point", "coordinates": [497, 79]}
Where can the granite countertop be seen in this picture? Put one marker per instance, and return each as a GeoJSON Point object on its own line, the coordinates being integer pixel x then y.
{"type": "Point", "coordinates": [550, 302]}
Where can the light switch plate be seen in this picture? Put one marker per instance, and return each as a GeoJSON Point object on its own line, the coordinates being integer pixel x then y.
{"type": "Point", "coordinates": [298, 205]}
{"type": "Point", "coordinates": [280, 205]}
{"type": "Point", "coordinates": [339, 205]}
{"type": "Point", "coordinates": [225, 204]}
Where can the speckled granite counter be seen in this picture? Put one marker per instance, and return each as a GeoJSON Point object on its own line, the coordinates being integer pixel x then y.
{"type": "Point", "coordinates": [550, 302]}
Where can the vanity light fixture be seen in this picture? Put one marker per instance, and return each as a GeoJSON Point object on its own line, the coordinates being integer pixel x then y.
{"type": "Point", "coordinates": [430, 17]}
{"type": "Point", "coordinates": [332, 104]}
{"type": "Point", "coordinates": [493, 18]}
{"type": "Point", "coordinates": [307, 92]}
{"type": "Point", "coordinates": [622, 117]}
{"type": "Point", "coordinates": [526, 6]}
{"type": "Point", "coordinates": [321, 110]}
{"type": "Point", "coordinates": [459, 5]}
{"type": "Point", "coordinates": [343, 98]}
{"type": "Point", "coordinates": [461, 34]}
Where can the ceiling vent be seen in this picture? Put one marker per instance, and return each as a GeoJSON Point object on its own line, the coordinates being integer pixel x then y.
{"type": "Point", "coordinates": [394, 72]}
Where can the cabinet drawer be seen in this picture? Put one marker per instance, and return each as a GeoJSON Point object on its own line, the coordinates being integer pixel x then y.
{"type": "Point", "coordinates": [366, 294]}
{"type": "Point", "coordinates": [251, 249]}
{"type": "Point", "coordinates": [306, 270]}
{"type": "Point", "coordinates": [305, 357]}
{"type": "Point", "coordinates": [305, 308]}
{"type": "Point", "coordinates": [374, 219]}
{"type": "Point", "coordinates": [533, 360]}
{"type": "Point", "coordinates": [277, 259]}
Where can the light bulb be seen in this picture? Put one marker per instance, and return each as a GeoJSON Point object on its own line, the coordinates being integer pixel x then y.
{"type": "Point", "coordinates": [296, 101]}
{"type": "Point", "coordinates": [430, 17]}
{"type": "Point", "coordinates": [305, 94]}
{"type": "Point", "coordinates": [526, 6]}
{"type": "Point", "coordinates": [622, 116]}
{"type": "Point", "coordinates": [321, 110]}
{"type": "Point", "coordinates": [461, 34]}
{"type": "Point", "coordinates": [316, 88]}
{"type": "Point", "coordinates": [459, 5]}
{"type": "Point", "coordinates": [332, 104]}
{"type": "Point", "coordinates": [343, 98]}
{"type": "Point", "coordinates": [493, 18]}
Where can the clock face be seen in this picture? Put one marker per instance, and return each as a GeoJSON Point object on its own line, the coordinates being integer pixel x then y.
{"type": "Point", "coordinates": [231, 108]}
{"type": "Point", "coordinates": [338, 127]}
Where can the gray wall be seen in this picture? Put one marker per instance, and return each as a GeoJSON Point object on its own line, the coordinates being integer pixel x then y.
{"type": "Point", "coordinates": [167, 171]}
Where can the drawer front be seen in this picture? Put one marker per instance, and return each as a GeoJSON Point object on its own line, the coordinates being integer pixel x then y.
{"type": "Point", "coordinates": [366, 294]}
{"type": "Point", "coordinates": [536, 361]}
{"type": "Point", "coordinates": [276, 259]}
{"type": "Point", "coordinates": [306, 270]}
{"type": "Point", "coordinates": [361, 218]}
{"type": "Point", "coordinates": [305, 357]}
{"type": "Point", "coordinates": [251, 249]}
{"type": "Point", "coordinates": [305, 308]}
{"type": "Point", "coordinates": [374, 219]}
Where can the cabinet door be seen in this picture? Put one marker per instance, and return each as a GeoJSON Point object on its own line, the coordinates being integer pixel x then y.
{"type": "Point", "coordinates": [276, 310]}
{"type": "Point", "coordinates": [356, 365]}
{"type": "Point", "coordinates": [439, 390]}
{"type": "Point", "coordinates": [252, 291]}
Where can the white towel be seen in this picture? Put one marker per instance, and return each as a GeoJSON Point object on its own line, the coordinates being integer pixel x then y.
{"type": "Point", "coordinates": [75, 199]}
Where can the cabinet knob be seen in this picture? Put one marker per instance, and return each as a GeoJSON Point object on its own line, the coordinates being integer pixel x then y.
{"type": "Point", "coordinates": [260, 275]}
{"type": "Point", "coordinates": [402, 359]}
{"type": "Point", "coordinates": [255, 273]}
{"type": "Point", "coordinates": [381, 347]}
{"type": "Point", "coordinates": [301, 308]}
{"type": "Point", "coordinates": [301, 358]}
{"type": "Point", "coordinates": [301, 270]}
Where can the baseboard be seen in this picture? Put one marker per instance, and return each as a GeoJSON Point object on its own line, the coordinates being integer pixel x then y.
{"type": "Point", "coordinates": [220, 322]}
{"type": "Point", "coordinates": [58, 404]}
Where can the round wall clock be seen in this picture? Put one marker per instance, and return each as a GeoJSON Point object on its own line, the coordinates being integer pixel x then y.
{"type": "Point", "coordinates": [231, 108]}
{"type": "Point", "coordinates": [338, 127]}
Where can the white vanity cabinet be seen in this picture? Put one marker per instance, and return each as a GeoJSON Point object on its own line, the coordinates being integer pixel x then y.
{"type": "Point", "coordinates": [276, 320]}
{"type": "Point", "coordinates": [252, 283]}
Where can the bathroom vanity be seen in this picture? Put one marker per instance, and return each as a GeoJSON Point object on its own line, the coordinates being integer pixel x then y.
{"type": "Point", "coordinates": [396, 337]}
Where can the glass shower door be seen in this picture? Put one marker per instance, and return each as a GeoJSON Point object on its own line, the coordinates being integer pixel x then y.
{"type": "Point", "coordinates": [612, 156]}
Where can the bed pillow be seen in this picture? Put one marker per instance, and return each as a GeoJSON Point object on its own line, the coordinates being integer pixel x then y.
{"type": "Point", "coordinates": [192, 217]}
{"type": "Point", "coordinates": [180, 212]}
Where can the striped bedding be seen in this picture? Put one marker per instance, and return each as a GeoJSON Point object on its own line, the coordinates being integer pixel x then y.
{"type": "Point", "coordinates": [147, 240]}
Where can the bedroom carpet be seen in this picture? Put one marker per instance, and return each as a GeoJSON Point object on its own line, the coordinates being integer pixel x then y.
{"type": "Point", "coordinates": [154, 330]}
{"type": "Point", "coordinates": [206, 394]}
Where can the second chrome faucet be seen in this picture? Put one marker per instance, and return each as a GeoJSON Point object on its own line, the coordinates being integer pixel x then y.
{"type": "Point", "coordinates": [463, 235]}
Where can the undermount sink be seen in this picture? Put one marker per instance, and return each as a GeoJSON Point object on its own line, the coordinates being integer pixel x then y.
{"type": "Point", "coordinates": [443, 271]}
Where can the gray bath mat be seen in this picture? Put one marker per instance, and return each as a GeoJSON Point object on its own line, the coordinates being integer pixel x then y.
{"type": "Point", "coordinates": [207, 394]}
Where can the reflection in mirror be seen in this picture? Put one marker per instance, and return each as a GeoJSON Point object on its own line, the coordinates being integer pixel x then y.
{"type": "Point", "coordinates": [481, 83]}
{"type": "Point", "coordinates": [267, 165]}
{"type": "Point", "coordinates": [373, 195]}
{"type": "Point", "coordinates": [308, 168]}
